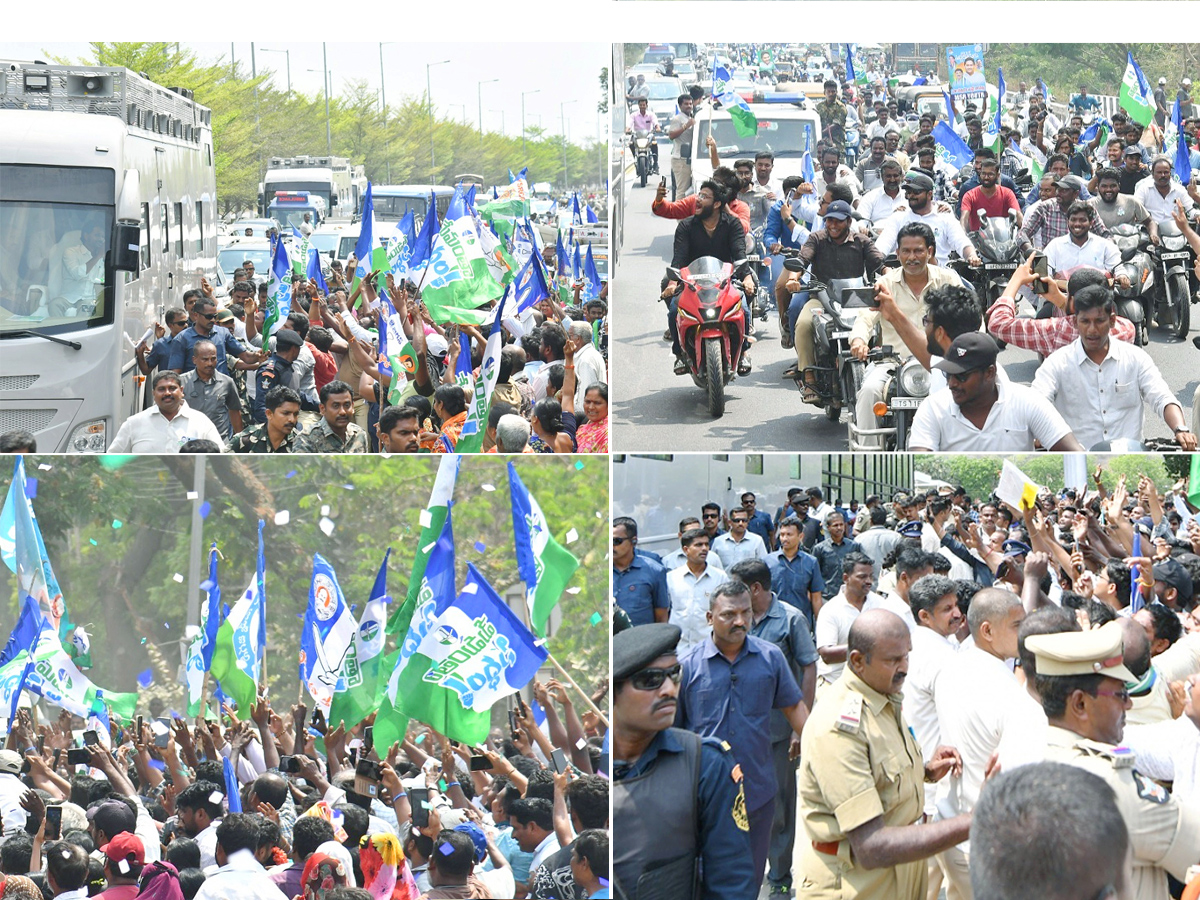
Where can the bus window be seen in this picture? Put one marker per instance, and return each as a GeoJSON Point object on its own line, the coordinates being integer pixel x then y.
{"type": "Point", "coordinates": [166, 233]}
{"type": "Point", "coordinates": [145, 235]}
{"type": "Point", "coordinates": [178, 230]}
{"type": "Point", "coordinates": [443, 206]}
{"type": "Point", "coordinates": [199, 227]}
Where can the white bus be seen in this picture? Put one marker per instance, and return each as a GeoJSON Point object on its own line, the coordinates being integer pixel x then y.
{"type": "Point", "coordinates": [332, 178]}
{"type": "Point", "coordinates": [107, 215]}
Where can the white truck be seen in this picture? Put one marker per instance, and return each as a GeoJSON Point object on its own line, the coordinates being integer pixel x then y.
{"type": "Point", "coordinates": [333, 179]}
{"type": "Point", "coordinates": [108, 214]}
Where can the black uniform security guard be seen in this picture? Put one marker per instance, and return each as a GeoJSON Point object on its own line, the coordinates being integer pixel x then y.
{"type": "Point", "coordinates": [275, 371]}
{"type": "Point", "coordinates": [678, 807]}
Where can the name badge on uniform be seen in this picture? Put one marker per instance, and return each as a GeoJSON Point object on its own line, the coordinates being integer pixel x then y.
{"type": "Point", "coordinates": [850, 717]}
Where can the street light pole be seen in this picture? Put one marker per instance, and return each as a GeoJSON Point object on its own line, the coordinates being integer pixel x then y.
{"type": "Point", "coordinates": [563, 124]}
{"type": "Point", "coordinates": [328, 130]}
{"type": "Point", "coordinates": [288, 56]}
{"type": "Point", "coordinates": [429, 101]}
{"type": "Point", "coordinates": [523, 95]}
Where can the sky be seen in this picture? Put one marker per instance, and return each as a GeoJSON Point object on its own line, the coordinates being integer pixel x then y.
{"type": "Point", "coordinates": [559, 72]}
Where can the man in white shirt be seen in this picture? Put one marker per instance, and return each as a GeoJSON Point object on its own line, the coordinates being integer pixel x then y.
{"type": "Point", "coordinates": [1080, 247]}
{"type": "Point", "coordinates": [879, 203]}
{"type": "Point", "coordinates": [1158, 193]}
{"type": "Point", "coordinates": [837, 615]}
{"type": "Point", "coordinates": [690, 588]}
{"type": "Point", "coordinates": [589, 363]}
{"type": "Point", "coordinates": [1100, 385]}
{"type": "Point", "coordinates": [82, 267]}
{"type": "Point", "coordinates": [882, 125]}
{"type": "Point", "coordinates": [198, 808]}
{"type": "Point", "coordinates": [167, 425]}
{"type": "Point", "coordinates": [975, 696]}
{"type": "Point", "coordinates": [948, 233]}
{"type": "Point", "coordinates": [934, 599]}
{"type": "Point", "coordinates": [240, 876]}
{"type": "Point", "coordinates": [737, 543]}
{"type": "Point", "coordinates": [832, 170]}
{"type": "Point", "coordinates": [980, 413]}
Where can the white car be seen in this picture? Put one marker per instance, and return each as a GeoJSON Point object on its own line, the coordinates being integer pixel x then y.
{"type": "Point", "coordinates": [664, 98]}
{"type": "Point", "coordinates": [784, 129]}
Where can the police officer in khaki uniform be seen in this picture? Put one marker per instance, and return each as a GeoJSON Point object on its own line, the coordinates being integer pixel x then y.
{"type": "Point", "coordinates": [1082, 680]}
{"type": "Point", "coordinates": [861, 781]}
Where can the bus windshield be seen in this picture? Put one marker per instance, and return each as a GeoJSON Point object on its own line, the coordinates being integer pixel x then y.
{"type": "Point", "coordinates": [315, 189]}
{"type": "Point", "coordinates": [55, 228]}
{"type": "Point", "coordinates": [393, 209]}
{"type": "Point", "coordinates": [784, 137]}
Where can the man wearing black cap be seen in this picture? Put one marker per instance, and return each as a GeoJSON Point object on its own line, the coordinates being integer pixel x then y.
{"type": "Point", "coordinates": [948, 233]}
{"type": "Point", "coordinates": [1134, 171]}
{"type": "Point", "coordinates": [831, 252]}
{"type": "Point", "coordinates": [678, 802]}
{"type": "Point", "coordinates": [1048, 218]}
{"type": "Point", "coordinates": [1172, 584]}
{"type": "Point", "coordinates": [1101, 386]}
{"type": "Point", "coordinates": [980, 413]}
{"type": "Point", "coordinates": [276, 371]}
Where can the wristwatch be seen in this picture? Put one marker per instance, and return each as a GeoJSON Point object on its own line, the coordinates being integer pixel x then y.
{"type": "Point", "coordinates": [1183, 429]}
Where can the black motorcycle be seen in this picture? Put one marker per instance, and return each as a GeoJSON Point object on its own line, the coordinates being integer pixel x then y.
{"type": "Point", "coordinates": [643, 146]}
{"type": "Point", "coordinates": [1136, 301]}
{"type": "Point", "coordinates": [996, 243]}
{"type": "Point", "coordinates": [1176, 277]}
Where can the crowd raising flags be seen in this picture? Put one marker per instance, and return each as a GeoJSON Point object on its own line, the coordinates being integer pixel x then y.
{"type": "Point", "coordinates": [458, 651]}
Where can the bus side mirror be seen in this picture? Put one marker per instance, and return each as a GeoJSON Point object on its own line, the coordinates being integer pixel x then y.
{"type": "Point", "coordinates": [126, 247]}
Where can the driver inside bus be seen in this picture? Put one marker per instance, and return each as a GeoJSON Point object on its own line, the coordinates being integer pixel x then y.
{"type": "Point", "coordinates": [82, 267]}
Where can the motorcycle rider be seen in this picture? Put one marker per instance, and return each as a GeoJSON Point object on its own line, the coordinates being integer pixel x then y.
{"type": "Point", "coordinates": [644, 120]}
{"type": "Point", "coordinates": [918, 189]}
{"type": "Point", "coordinates": [867, 171]}
{"type": "Point", "coordinates": [712, 231]}
{"type": "Point", "coordinates": [785, 229]}
{"type": "Point", "coordinates": [1115, 208]}
{"type": "Point", "coordinates": [1159, 192]}
{"type": "Point", "coordinates": [764, 164]}
{"type": "Point", "coordinates": [989, 196]}
{"type": "Point", "coordinates": [924, 126]}
{"type": "Point", "coordinates": [891, 142]}
{"type": "Point", "coordinates": [1048, 218]}
{"type": "Point", "coordinates": [832, 252]}
{"type": "Point", "coordinates": [832, 170]}
{"type": "Point", "coordinates": [1005, 181]}
{"type": "Point", "coordinates": [906, 286]}
{"type": "Point", "coordinates": [1079, 247]}
{"type": "Point", "coordinates": [1125, 374]}
{"type": "Point", "coordinates": [1056, 164]}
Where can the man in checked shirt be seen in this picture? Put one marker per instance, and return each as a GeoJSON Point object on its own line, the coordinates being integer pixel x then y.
{"type": "Point", "coordinates": [1044, 336]}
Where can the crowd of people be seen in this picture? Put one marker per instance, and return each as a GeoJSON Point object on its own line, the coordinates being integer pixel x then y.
{"type": "Point", "coordinates": [275, 804]}
{"type": "Point", "coordinates": [883, 206]}
{"type": "Point", "coordinates": [935, 661]}
{"type": "Point", "coordinates": [319, 384]}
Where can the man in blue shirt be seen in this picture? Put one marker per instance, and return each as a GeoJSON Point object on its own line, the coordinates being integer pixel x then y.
{"type": "Point", "coordinates": [665, 823]}
{"type": "Point", "coordinates": [731, 682]}
{"type": "Point", "coordinates": [206, 329]}
{"type": "Point", "coordinates": [787, 629]}
{"type": "Point", "coordinates": [795, 574]}
{"type": "Point", "coordinates": [159, 355]}
{"type": "Point", "coordinates": [760, 522]}
{"type": "Point", "coordinates": [639, 583]}
{"type": "Point", "coordinates": [830, 552]}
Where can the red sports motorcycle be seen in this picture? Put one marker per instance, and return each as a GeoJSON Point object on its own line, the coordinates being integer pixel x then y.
{"type": "Point", "coordinates": [712, 325]}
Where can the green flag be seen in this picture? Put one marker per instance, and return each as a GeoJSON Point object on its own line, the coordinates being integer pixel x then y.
{"type": "Point", "coordinates": [390, 722]}
{"type": "Point", "coordinates": [1134, 95]}
{"type": "Point", "coordinates": [457, 279]}
{"type": "Point", "coordinates": [360, 669]}
{"type": "Point", "coordinates": [1193, 494]}
{"type": "Point", "coordinates": [236, 653]}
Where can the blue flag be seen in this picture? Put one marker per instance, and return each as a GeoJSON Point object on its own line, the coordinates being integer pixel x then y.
{"type": "Point", "coordinates": [530, 284]}
{"type": "Point", "coordinates": [261, 578]}
{"type": "Point", "coordinates": [296, 233]}
{"type": "Point", "coordinates": [25, 635]}
{"type": "Point", "coordinates": [1092, 130]}
{"type": "Point", "coordinates": [280, 302]}
{"type": "Point", "coordinates": [591, 278]}
{"type": "Point", "coordinates": [232, 795]}
{"type": "Point", "coordinates": [949, 106]}
{"type": "Point", "coordinates": [999, 103]}
{"type": "Point", "coordinates": [362, 248]}
{"type": "Point", "coordinates": [592, 218]}
{"type": "Point", "coordinates": [1183, 159]}
{"type": "Point", "coordinates": [422, 247]}
{"type": "Point", "coordinates": [1136, 600]}
{"type": "Point", "coordinates": [462, 366]}
{"type": "Point", "coordinates": [562, 260]}
{"type": "Point", "coordinates": [213, 620]}
{"type": "Point", "coordinates": [408, 228]}
{"type": "Point", "coordinates": [850, 76]}
{"type": "Point", "coordinates": [576, 263]}
{"type": "Point", "coordinates": [327, 635]}
{"type": "Point", "coordinates": [511, 178]}
{"type": "Point", "coordinates": [806, 163]}
{"type": "Point", "coordinates": [576, 215]}
{"type": "Point", "coordinates": [458, 203]}
{"type": "Point", "coordinates": [951, 148]}
{"type": "Point", "coordinates": [314, 270]}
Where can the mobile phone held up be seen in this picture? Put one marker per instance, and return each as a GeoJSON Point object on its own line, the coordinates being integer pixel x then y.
{"type": "Point", "coordinates": [1040, 267]}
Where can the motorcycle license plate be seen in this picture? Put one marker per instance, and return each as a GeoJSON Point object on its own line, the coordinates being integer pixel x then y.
{"type": "Point", "coordinates": [1001, 267]}
{"type": "Point", "coordinates": [838, 335]}
{"type": "Point", "coordinates": [906, 402]}
{"type": "Point", "coordinates": [1182, 254]}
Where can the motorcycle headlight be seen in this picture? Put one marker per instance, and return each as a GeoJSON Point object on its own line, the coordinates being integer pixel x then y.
{"type": "Point", "coordinates": [913, 378]}
{"type": "Point", "coordinates": [90, 437]}
{"type": "Point", "coordinates": [1173, 242]}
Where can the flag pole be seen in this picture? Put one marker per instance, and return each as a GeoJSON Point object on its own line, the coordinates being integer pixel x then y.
{"type": "Point", "coordinates": [571, 681]}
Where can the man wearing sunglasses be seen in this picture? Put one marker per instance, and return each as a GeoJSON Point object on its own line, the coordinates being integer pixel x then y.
{"type": "Point", "coordinates": [678, 802]}
{"type": "Point", "coordinates": [980, 412]}
{"type": "Point", "coordinates": [1082, 681]}
{"type": "Point", "coordinates": [207, 329]}
{"type": "Point", "coordinates": [639, 583]}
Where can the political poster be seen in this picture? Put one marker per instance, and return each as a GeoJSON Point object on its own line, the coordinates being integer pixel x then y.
{"type": "Point", "coordinates": [964, 63]}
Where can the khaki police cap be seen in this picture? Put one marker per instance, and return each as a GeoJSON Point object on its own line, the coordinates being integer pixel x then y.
{"type": "Point", "coordinates": [1096, 652]}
